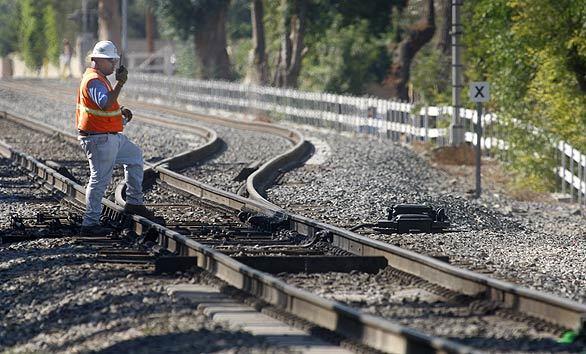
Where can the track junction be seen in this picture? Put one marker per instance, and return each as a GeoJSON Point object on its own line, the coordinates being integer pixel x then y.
{"type": "Point", "coordinates": [230, 234]}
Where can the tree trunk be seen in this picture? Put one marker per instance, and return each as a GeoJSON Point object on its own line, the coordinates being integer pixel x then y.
{"type": "Point", "coordinates": [109, 23]}
{"type": "Point", "coordinates": [258, 68]}
{"type": "Point", "coordinates": [210, 46]}
{"type": "Point", "coordinates": [150, 29]}
{"type": "Point", "coordinates": [443, 38]}
{"type": "Point", "coordinates": [292, 49]}
{"type": "Point", "coordinates": [414, 38]}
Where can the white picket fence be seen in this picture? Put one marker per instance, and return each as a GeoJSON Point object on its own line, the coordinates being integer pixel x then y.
{"type": "Point", "coordinates": [394, 120]}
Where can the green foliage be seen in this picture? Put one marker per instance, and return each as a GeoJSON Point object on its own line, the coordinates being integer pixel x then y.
{"type": "Point", "coordinates": [239, 33]}
{"type": "Point", "coordinates": [186, 65]}
{"type": "Point", "coordinates": [239, 25]}
{"type": "Point", "coordinates": [51, 34]}
{"type": "Point", "coordinates": [186, 17]}
{"type": "Point", "coordinates": [137, 19]}
{"type": "Point", "coordinates": [533, 54]}
{"type": "Point", "coordinates": [239, 54]}
{"type": "Point", "coordinates": [9, 26]}
{"type": "Point", "coordinates": [343, 59]}
{"type": "Point", "coordinates": [272, 14]}
{"type": "Point", "coordinates": [65, 28]}
{"type": "Point", "coordinates": [431, 78]}
{"type": "Point", "coordinates": [40, 30]}
{"type": "Point", "coordinates": [33, 46]}
{"type": "Point", "coordinates": [345, 41]}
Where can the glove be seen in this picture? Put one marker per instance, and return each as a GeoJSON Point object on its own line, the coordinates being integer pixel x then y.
{"type": "Point", "coordinates": [121, 74]}
{"type": "Point", "coordinates": [127, 114]}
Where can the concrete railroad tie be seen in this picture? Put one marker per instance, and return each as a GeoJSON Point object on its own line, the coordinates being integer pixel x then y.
{"type": "Point", "coordinates": [220, 307]}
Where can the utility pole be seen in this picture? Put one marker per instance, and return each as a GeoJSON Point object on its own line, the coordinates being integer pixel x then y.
{"type": "Point", "coordinates": [124, 36]}
{"type": "Point", "coordinates": [84, 15]}
{"type": "Point", "coordinates": [84, 41]}
{"type": "Point", "coordinates": [150, 29]}
{"type": "Point", "coordinates": [456, 128]}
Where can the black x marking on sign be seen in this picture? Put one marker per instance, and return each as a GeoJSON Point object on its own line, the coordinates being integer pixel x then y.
{"type": "Point", "coordinates": [479, 91]}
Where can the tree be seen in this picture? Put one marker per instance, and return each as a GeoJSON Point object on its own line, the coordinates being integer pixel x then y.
{"type": "Point", "coordinates": [443, 38]}
{"type": "Point", "coordinates": [205, 22]}
{"type": "Point", "coordinates": [9, 26]}
{"type": "Point", "coordinates": [258, 68]}
{"type": "Point", "coordinates": [414, 37]}
{"type": "Point", "coordinates": [292, 25]}
{"type": "Point", "coordinates": [51, 33]}
{"type": "Point", "coordinates": [532, 53]}
{"type": "Point", "coordinates": [347, 46]}
{"type": "Point", "coordinates": [109, 22]}
{"type": "Point", "coordinates": [33, 46]}
{"type": "Point", "coordinates": [150, 28]}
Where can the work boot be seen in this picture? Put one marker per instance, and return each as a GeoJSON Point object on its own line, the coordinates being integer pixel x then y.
{"type": "Point", "coordinates": [95, 231]}
{"type": "Point", "coordinates": [139, 210]}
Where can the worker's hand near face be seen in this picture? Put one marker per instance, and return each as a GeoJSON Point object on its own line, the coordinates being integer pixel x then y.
{"type": "Point", "coordinates": [127, 114]}
{"type": "Point", "coordinates": [122, 74]}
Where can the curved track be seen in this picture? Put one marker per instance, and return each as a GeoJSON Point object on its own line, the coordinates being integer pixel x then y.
{"type": "Point", "coordinates": [375, 332]}
{"type": "Point", "coordinates": [256, 183]}
{"type": "Point", "coordinates": [568, 314]}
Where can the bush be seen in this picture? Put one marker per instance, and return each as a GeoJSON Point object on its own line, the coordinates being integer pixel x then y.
{"type": "Point", "coordinates": [51, 34]}
{"type": "Point", "coordinates": [9, 26]}
{"type": "Point", "coordinates": [33, 45]}
{"type": "Point", "coordinates": [344, 60]}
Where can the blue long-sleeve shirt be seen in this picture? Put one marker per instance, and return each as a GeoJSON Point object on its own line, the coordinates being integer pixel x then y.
{"type": "Point", "coordinates": [98, 93]}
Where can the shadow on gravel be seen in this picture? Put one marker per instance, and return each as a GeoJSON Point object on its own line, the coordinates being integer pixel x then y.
{"type": "Point", "coordinates": [43, 261]}
{"type": "Point", "coordinates": [201, 341]}
{"type": "Point", "coordinates": [122, 309]}
{"type": "Point", "coordinates": [522, 344]}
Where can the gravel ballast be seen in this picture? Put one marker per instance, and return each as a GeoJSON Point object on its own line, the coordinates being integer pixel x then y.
{"type": "Point", "coordinates": [242, 147]}
{"type": "Point", "coordinates": [541, 245]}
{"type": "Point", "coordinates": [476, 323]}
{"type": "Point", "coordinates": [56, 298]}
{"type": "Point", "coordinates": [156, 143]}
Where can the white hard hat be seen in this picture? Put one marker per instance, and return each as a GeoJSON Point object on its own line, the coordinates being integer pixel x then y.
{"type": "Point", "coordinates": [105, 49]}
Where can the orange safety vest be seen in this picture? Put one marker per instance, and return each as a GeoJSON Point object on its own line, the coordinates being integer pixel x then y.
{"type": "Point", "coordinates": [89, 117]}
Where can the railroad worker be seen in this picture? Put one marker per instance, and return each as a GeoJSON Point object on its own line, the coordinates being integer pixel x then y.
{"type": "Point", "coordinates": [100, 121]}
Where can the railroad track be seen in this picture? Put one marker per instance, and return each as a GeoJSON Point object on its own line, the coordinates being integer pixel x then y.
{"type": "Point", "coordinates": [565, 314]}
{"type": "Point", "coordinates": [262, 172]}
{"type": "Point", "coordinates": [221, 262]}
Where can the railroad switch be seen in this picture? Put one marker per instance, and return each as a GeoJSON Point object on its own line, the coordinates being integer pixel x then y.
{"type": "Point", "coordinates": [40, 226]}
{"type": "Point", "coordinates": [269, 223]}
{"type": "Point", "coordinates": [404, 218]}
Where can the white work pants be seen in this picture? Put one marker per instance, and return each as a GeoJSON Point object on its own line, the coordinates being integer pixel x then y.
{"type": "Point", "coordinates": [103, 152]}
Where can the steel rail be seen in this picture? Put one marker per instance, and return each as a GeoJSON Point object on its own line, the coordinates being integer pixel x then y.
{"type": "Point", "coordinates": [256, 183]}
{"type": "Point", "coordinates": [212, 146]}
{"type": "Point", "coordinates": [370, 330]}
{"type": "Point", "coordinates": [39, 126]}
{"type": "Point", "coordinates": [554, 309]}
{"type": "Point", "coordinates": [259, 180]}
{"type": "Point", "coordinates": [551, 308]}
{"type": "Point", "coordinates": [185, 159]}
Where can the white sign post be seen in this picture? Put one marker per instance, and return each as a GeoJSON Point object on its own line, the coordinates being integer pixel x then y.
{"type": "Point", "coordinates": [479, 92]}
